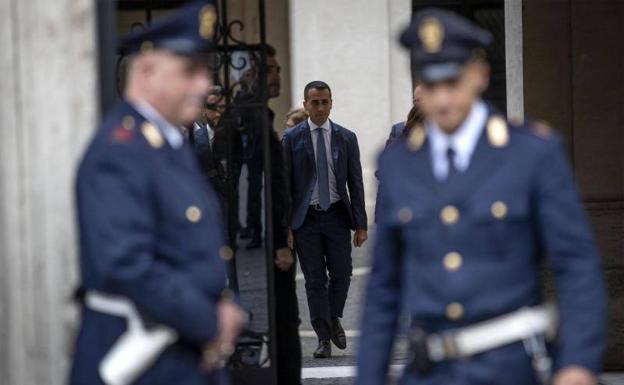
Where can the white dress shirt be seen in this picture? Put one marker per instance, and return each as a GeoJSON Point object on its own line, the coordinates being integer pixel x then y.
{"type": "Point", "coordinates": [333, 190]}
{"type": "Point", "coordinates": [463, 141]}
{"type": "Point", "coordinates": [172, 134]}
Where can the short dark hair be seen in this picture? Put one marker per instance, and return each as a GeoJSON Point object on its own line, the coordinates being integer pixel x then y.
{"type": "Point", "coordinates": [317, 85]}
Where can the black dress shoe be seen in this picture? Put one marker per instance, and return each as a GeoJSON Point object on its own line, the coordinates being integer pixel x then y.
{"type": "Point", "coordinates": [338, 336]}
{"type": "Point", "coordinates": [323, 350]}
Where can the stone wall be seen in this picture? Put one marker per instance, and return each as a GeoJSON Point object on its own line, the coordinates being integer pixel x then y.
{"type": "Point", "coordinates": [48, 100]}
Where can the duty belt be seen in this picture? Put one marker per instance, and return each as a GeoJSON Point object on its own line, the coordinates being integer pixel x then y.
{"type": "Point", "coordinates": [529, 325]}
{"type": "Point", "coordinates": [136, 350]}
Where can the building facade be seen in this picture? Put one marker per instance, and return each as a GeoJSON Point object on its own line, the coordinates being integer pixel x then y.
{"type": "Point", "coordinates": [562, 62]}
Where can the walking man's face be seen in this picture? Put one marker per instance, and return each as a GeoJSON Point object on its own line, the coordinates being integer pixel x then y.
{"type": "Point", "coordinates": [318, 104]}
{"type": "Point", "coordinates": [448, 102]}
{"type": "Point", "coordinates": [214, 109]}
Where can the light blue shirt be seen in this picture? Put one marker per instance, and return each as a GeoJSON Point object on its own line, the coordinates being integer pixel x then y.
{"type": "Point", "coordinates": [463, 141]}
{"type": "Point", "coordinates": [172, 134]}
{"type": "Point", "coordinates": [333, 190]}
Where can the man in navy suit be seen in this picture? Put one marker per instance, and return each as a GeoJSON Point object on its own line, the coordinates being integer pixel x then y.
{"type": "Point", "coordinates": [471, 207]}
{"type": "Point", "coordinates": [151, 239]}
{"type": "Point", "coordinates": [323, 161]}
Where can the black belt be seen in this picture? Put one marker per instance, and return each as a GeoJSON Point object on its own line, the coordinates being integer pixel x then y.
{"type": "Point", "coordinates": [317, 207]}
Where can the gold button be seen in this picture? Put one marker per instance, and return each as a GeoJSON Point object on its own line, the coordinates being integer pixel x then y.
{"type": "Point", "coordinates": [193, 214]}
{"type": "Point", "coordinates": [226, 253]}
{"type": "Point", "coordinates": [127, 122]}
{"type": "Point", "coordinates": [405, 214]}
{"type": "Point", "coordinates": [449, 215]}
{"type": "Point", "coordinates": [455, 311]}
{"type": "Point", "coordinates": [452, 261]}
{"type": "Point", "coordinates": [499, 210]}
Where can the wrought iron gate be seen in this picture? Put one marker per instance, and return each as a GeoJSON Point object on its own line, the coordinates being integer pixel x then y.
{"type": "Point", "coordinates": [240, 69]}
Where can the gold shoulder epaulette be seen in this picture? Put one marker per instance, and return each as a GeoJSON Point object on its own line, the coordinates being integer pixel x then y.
{"type": "Point", "coordinates": [152, 134]}
{"type": "Point", "coordinates": [416, 138]}
{"type": "Point", "coordinates": [497, 131]}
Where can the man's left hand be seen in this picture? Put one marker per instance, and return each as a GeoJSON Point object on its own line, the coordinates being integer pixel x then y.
{"type": "Point", "coordinates": [360, 237]}
{"type": "Point", "coordinates": [284, 259]}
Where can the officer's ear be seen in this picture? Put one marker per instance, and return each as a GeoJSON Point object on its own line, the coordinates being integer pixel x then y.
{"type": "Point", "coordinates": [483, 69]}
{"type": "Point", "coordinates": [486, 70]}
{"type": "Point", "coordinates": [479, 77]}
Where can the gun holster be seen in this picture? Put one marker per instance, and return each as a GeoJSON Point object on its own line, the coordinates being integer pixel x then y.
{"type": "Point", "coordinates": [419, 360]}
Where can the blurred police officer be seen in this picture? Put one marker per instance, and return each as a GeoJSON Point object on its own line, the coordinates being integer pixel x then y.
{"type": "Point", "coordinates": [469, 204]}
{"type": "Point", "coordinates": [151, 238]}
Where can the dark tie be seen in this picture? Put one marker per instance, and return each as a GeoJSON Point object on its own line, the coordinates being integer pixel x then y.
{"type": "Point", "coordinates": [321, 170]}
{"type": "Point", "coordinates": [452, 169]}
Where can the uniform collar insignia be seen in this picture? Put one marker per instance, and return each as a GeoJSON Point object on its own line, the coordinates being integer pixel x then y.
{"type": "Point", "coordinates": [416, 138]}
{"type": "Point", "coordinates": [152, 134]}
{"type": "Point", "coordinates": [497, 131]}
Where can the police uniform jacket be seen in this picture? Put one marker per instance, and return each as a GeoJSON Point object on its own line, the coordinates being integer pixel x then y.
{"type": "Point", "coordinates": [458, 254]}
{"type": "Point", "coordinates": [150, 231]}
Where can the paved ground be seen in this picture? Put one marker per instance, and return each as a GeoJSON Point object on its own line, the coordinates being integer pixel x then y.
{"type": "Point", "coordinates": [338, 370]}
{"type": "Point", "coordinates": [343, 362]}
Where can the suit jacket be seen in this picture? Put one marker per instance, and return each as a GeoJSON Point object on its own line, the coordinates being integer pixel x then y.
{"type": "Point", "coordinates": [515, 204]}
{"type": "Point", "coordinates": [150, 231]}
{"type": "Point", "coordinates": [301, 172]}
{"type": "Point", "coordinates": [396, 132]}
{"type": "Point", "coordinates": [210, 156]}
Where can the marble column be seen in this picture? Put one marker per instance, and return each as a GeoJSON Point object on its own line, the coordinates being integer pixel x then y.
{"type": "Point", "coordinates": [48, 99]}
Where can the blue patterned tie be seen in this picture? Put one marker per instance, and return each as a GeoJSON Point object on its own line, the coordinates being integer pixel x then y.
{"type": "Point", "coordinates": [321, 170]}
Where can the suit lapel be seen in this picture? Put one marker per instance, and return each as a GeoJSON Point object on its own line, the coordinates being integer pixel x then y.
{"type": "Point", "coordinates": [307, 141]}
{"type": "Point", "coordinates": [336, 144]}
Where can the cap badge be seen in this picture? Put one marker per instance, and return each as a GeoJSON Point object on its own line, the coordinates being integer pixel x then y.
{"type": "Point", "coordinates": [431, 33]}
{"type": "Point", "coordinates": [207, 20]}
{"type": "Point", "coordinates": [497, 131]}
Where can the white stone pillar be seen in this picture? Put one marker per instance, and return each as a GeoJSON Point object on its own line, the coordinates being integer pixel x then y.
{"type": "Point", "coordinates": [513, 59]}
{"type": "Point", "coordinates": [48, 100]}
{"type": "Point", "coordinates": [352, 46]}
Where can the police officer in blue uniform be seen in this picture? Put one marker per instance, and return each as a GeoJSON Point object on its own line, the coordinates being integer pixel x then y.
{"type": "Point", "coordinates": [151, 241]}
{"type": "Point", "coordinates": [470, 205]}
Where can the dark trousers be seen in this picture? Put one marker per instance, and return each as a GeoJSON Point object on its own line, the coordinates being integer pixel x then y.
{"type": "Point", "coordinates": [323, 245]}
{"type": "Point", "coordinates": [255, 171]}
{"type": "Point", "coordinates": [287, 334]}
